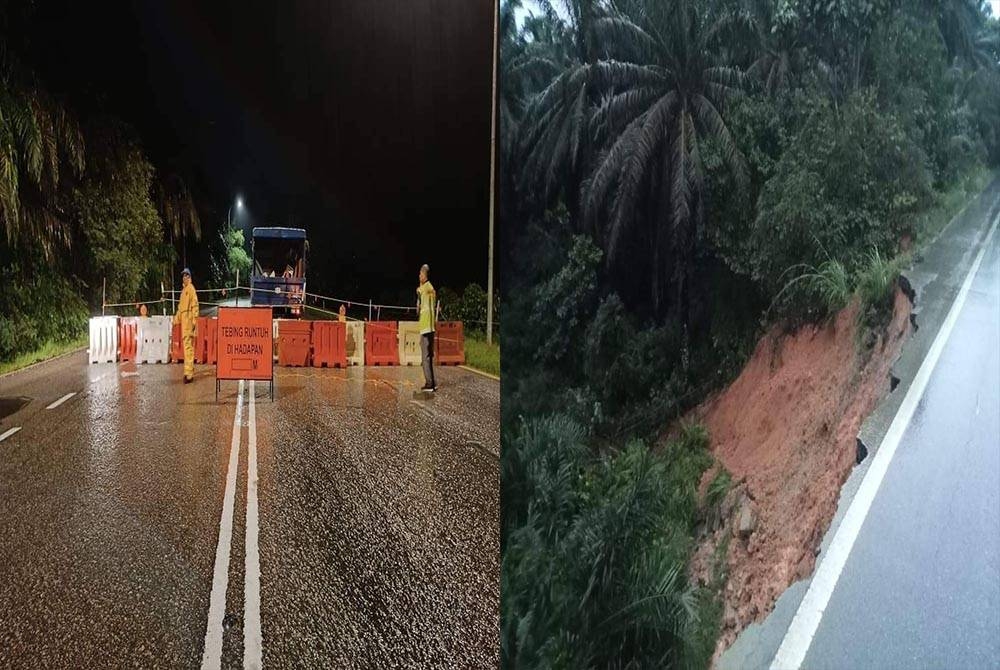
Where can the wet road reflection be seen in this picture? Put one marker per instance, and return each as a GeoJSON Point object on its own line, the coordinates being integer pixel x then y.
{"type": "Point", "coordinates": [378, 521]}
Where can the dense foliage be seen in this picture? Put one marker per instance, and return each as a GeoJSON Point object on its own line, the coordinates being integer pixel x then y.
{"type": "Point", "coordinates": [673, 175]}
{"type": "Point", "coordinates": [80, 205]}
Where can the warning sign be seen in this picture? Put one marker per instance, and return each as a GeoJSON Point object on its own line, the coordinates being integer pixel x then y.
{"type": "Point", "coordinates": [245, 343]}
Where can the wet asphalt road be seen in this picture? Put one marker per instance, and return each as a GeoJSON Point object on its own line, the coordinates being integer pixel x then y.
{"type": "Point", "coordinates": [921, 586]}
{"type": "Point", "coordinates": [377, 518]}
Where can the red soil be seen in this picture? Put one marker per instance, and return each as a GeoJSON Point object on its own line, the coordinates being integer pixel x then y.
{"type": "Point", "coordinates": [786, 431]}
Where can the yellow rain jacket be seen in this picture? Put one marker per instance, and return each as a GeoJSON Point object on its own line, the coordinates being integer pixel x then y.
{"type": "Point", "coordinates": [187, 311]}
{"type": "Point", "coordinates": [428, 308]}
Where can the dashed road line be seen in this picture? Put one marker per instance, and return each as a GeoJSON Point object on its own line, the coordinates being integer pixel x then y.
{"type": "Point", "coordinates": [8, 433]}
{"type": "Point", "coordinates": [799, 636]}
{"type": "Point", "coordinates": [252, 643]}
{"type": "Point", "coordinates": [61, 400]}
{"type": "Point", "coordinates": [212, 656]}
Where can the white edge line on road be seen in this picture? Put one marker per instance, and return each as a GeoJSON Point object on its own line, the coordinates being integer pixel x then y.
{"type": "Point", "coordinates": [253, 648]}
{"type": "Point", "coordinates": [480, 372]}
{"type": "Point", "coordinates": [211, 659]}
{"type": "Point", "coordinates": [799, 636]}
{"type": "Point", "coordinates": [10, 432]}
{"type": "Point", "coordinates": [61, 400]}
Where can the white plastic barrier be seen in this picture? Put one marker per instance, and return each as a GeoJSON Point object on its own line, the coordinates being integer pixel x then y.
{"type": "Point", "coordinates": [355, 347]}
{"type": "Point", "coordinates": [409, 343]}
{"type": "Point", "coordinates": [103, 339]}
{"type": "Point", "coordinates": [154, 340]}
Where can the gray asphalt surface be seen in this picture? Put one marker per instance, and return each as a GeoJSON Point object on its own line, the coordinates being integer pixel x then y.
{"type": "Point", "coordinates": [921, 587]}
{"type": "Point", "coordinates": [378, 517]}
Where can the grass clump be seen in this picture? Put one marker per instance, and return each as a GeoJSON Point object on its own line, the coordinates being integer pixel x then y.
{"type": "Point", "coordinates": [876, 282]}
{"type": "Point", "coordinates": [817, 292]}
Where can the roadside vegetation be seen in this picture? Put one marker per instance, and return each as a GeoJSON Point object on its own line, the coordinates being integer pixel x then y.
{"type": "Point", "coordinates": [80, 202]}
{"type": "Point", "coordinates": [674, 177]}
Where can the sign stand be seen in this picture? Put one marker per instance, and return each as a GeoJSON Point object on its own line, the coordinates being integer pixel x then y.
{"type": "Point", "coordinates": [245, 346]}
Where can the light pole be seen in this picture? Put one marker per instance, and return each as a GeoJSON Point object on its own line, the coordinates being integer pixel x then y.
{"type": "Point", "coordinates": [229, 227]}
{"type": "Point", "coordinates": [493, 159]}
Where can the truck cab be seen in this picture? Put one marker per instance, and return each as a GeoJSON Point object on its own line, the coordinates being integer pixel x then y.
{"type": "Point", "coordinates": [278, 274]}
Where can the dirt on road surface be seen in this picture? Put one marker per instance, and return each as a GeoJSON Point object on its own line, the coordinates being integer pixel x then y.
{"type": "Point", "coordinates": [786, 431]}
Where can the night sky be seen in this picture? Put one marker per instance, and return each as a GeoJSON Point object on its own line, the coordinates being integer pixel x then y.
{"type": "Point", "coordinates": [366, 122]}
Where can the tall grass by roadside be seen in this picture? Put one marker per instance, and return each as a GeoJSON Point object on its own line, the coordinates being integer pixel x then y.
{"type": "Point", "coordinates": [50, 349]}
{"type": "Point", "coordinates": [480, 355]}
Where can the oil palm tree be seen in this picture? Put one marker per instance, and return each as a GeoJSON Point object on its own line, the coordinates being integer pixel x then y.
{"type": "Point", "coordinates": [780, 50]}
{"type": "Point", "coordinates": [555, 142]}
{"type": "Point", "coordinates": [38, 139]}
{"type": "Point", "coordinates": [178, 212]}
{"type": "Point", "coordinates": [664, 94]}
{"type": "Point", "coordinates": [960, 23]}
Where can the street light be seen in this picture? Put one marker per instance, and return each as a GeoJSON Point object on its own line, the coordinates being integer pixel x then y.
{"type": "Point", "coordinates": [239, 206]}
{"type": "Point", "coordinates": [493, 171]}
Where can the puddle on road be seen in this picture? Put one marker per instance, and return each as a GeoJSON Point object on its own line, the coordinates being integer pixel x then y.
{"type": "Point", "coordinates": [10, 406]}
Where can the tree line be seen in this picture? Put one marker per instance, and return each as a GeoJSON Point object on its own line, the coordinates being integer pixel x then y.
{"type": "Point", "coordinates": [674, 176]}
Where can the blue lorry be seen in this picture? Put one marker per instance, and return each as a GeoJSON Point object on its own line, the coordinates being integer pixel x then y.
{"type": "Point", "coordinates": [278, 274]}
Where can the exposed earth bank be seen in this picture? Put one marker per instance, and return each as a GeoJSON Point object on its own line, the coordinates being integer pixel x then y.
{"type": "Point", "coordinates": [786, 431]}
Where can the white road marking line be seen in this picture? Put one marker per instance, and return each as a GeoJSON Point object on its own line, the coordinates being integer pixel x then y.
{"type": "Point", "coordinates": [212, 657]}
{"type": "Point", "coordinates": [9, 433]}
{"type": "Point", "coordinates": [252, 642]}
{"type": "Point", "coordinates": [480, 372]}
{"type": "Point", "coordinates": [61, 400]}
{"type": "Point", "coordinates": [799, 636]}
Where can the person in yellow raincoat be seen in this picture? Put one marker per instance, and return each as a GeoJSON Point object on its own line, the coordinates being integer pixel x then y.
{"type": "Point", "coordinates": [427, 309]}
{"type": "Point", "coordinates": [187, 316]}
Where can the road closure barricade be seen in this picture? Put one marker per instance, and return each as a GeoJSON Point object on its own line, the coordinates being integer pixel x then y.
{"type": "Point", "coordinates": [381, 343]}
{"type": "Point", "coordinates": [128, 332]}
{"type": "Point", "coordinates": [210, 338]}
{"type": "Point", "coordinates": [200, 344]}
{"type": "Point", "coordinates": [449, 343]}
{"type": "Point", "coordinates": [293, 342]}
{"type": "Point", "coordinates": [329, 344]}
{"type": "Point", "coordinates": [354, 345]}
{"type": "Point", "coordinates": [103, 339]}
{"type": "Point", "coordinates": [176, 344]}
{"type": "Point", "coordinates": [409, 343]}
{"type": "Point", "coordinates": [154, 340]}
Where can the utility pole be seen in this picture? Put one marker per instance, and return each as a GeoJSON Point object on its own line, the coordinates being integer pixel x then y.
{"type": "Point", "coordinates": [493, 171]}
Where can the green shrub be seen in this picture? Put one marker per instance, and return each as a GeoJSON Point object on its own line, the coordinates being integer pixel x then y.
{"type": "Point", "coordinates": [38, 306]}
{"type": "Point", "coordinates": [848, 181]}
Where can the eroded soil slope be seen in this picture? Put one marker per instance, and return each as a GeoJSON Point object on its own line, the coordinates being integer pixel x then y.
{"type": "Point", "coordinates": [786, 431]}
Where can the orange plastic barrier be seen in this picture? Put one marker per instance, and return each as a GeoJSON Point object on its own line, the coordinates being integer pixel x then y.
{"type": "Point", "coordinates": [200, 349]}
{"type": "Point", "coordinates": [176, 345]}
{"type": "Point", "coordinates": [329, 344]}
{"type": "Point", "coordinates": [210, 337]}
{"type": "Point", "coordinates": [381, 343]}
{"type": "Point", "coordinates": [449, 343]}
{"type": "Point", "coordinates": [293, 342]}
{"type": "Point", "coordinates": [128, 330]}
